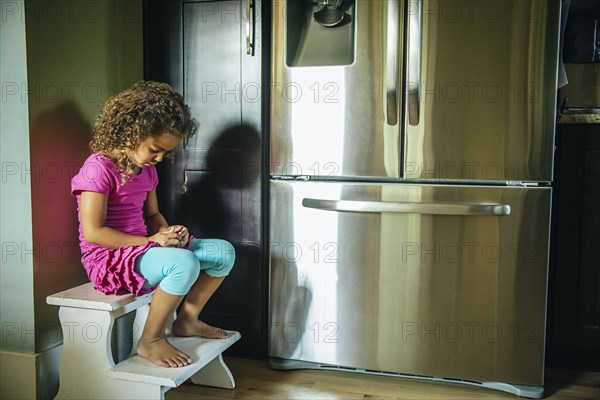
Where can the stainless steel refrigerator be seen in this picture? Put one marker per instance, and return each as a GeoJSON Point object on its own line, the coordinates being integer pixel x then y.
{"type": "Point", "coordinates": [411, 166]}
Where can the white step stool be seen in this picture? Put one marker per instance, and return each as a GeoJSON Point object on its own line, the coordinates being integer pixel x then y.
{"type": "Point", "coordinates": [87, 366]}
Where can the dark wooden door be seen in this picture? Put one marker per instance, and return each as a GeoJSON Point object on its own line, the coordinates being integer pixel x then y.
{"type": "Point", "coordinates": [574, 287]}
{"type": "Point", "coordinates": [214, 186]}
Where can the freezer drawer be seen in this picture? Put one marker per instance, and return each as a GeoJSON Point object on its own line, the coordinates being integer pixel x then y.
{"type": "Point", "coordinates": [443, 281]}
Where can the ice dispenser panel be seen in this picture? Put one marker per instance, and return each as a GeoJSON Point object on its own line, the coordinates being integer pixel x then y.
{"type": "Point", "coordinates": [320, 32]}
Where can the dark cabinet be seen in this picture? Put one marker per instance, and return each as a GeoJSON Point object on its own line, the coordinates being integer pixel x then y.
{"type": "Point", "coordinates": [573, 336]}
{"type": "Point", "coordinates": [212, 52]}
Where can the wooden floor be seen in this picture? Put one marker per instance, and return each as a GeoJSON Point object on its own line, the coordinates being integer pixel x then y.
{"type": "Point", "coordinates": [256, 380]}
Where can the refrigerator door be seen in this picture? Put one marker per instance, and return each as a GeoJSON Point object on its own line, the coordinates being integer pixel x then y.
{"type": "Point", "coordinates": [442, 281]}
{"type": "Point", "coordinates": [481, 90]}
{"type": "Point", "coordinates": [332, 89]}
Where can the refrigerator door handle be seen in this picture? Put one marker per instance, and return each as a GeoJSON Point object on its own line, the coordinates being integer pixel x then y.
{"type": "Point", "coordinates": [249, 27]}
{"type": "Point", "coordinates": [413, 84]}
{"type": "Point", "coordinates": [391, 55]}
{"type": "Point", "coordinates": [408, 207]}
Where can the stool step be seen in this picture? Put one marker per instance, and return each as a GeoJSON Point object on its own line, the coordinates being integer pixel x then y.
{"type": "Point", "coordinates": [85, 296]}
{"type": "Point", "coordinates": [201, 350]}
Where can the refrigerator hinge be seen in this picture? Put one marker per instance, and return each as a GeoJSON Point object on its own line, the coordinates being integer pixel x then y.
{"type": "Point", "coordinates": [522, 184]}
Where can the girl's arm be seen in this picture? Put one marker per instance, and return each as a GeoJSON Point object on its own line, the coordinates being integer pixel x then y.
{"type": "Point", "coordinates": [92, 214]}
{"type": "Point", "coordinates": [156, 222]}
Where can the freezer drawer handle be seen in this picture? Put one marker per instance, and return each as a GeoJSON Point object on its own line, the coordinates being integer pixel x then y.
{"type": "Point", "coordinates": [407, 207]}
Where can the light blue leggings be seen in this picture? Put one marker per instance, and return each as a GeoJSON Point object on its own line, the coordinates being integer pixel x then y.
{"type": "Point", "coordinates": [176, 270]}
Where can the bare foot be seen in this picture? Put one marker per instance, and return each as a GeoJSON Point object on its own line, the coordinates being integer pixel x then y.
{"type": "Point", "coordinates": [196, 327]}
{"type": "Point", "coordinates": [161, 353]}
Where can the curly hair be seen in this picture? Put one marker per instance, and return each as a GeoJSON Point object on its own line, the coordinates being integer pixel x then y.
{"type": "Point", "coordinates": [146, 108]}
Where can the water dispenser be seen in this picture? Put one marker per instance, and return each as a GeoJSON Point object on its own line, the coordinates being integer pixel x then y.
{"type": "Point", "coordinates": [320, 32]}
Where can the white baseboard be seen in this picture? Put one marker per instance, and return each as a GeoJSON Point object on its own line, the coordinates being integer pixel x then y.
{"type": "Point", "coordinates": [29, 375]}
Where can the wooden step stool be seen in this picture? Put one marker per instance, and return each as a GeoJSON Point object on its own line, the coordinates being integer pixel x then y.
{"type": "Point", "coordinates": [87, 366]}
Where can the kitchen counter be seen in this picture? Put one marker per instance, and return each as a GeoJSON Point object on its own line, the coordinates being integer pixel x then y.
{"type": "Point", "coordinates": [588, 118]}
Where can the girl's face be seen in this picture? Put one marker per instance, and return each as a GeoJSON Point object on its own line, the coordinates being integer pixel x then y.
{"type": "Point", "coordinates": [153, 148]}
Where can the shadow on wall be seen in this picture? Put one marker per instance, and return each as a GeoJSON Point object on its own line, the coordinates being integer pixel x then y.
{"type": "Point", "coordinates": [218, 193]}
{"type": "Point", "coordinates": [59, 145]}
{"type": "Point", "coordinates": [224, 201]}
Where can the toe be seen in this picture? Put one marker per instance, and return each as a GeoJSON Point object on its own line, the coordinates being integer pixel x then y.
{"type": "Point", "coordinates": [186, 360]}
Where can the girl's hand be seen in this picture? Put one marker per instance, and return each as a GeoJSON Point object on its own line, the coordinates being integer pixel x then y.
{"type": "Point", "coordinates": [166, 238]}
{"type": "Point", "coordinates": [183, 235]}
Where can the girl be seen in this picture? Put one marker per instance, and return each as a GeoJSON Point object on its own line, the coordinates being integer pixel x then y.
{"type": "Point", "coordinates": [117, 206]}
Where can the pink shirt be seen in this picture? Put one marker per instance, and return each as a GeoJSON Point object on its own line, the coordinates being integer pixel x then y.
{"type": "Point", "coordinates": [112, 270]}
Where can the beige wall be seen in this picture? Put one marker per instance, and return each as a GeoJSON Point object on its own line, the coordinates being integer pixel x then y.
{"type": "Point", "coordinates": [61, 59]}
{"type": "Point", "coordinates": [78, 53]}
{"type": "Point", "coordinates": [81, 51]}
{"type": "Point", "coordinates": [583, 89]}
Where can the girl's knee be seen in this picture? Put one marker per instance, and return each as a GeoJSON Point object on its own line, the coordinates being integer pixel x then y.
{"type": "Point", "coordinates": [226, 259]}
{"type": "Point", "coordinates": [228, 255]}
{"type": "Point", "coordinates": [189, 268]}
{"type": "Point", "coordinates": [182, 275]}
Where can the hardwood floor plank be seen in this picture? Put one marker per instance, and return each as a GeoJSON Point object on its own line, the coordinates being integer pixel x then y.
{"type": "Point", "coordinates": [256, 380]}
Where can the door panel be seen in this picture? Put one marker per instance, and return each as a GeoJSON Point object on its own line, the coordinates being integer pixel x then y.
{"type": "Point", "coordinates": [485, 95]}
{"type": "Point", "coordinates": [487, 92]}
{"type": "Point", "coordinates": [211, 32]}
{"type": "Point", "coordinates": [330, 120]}
{"type": "Point", "coordinates": [457, 295]}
